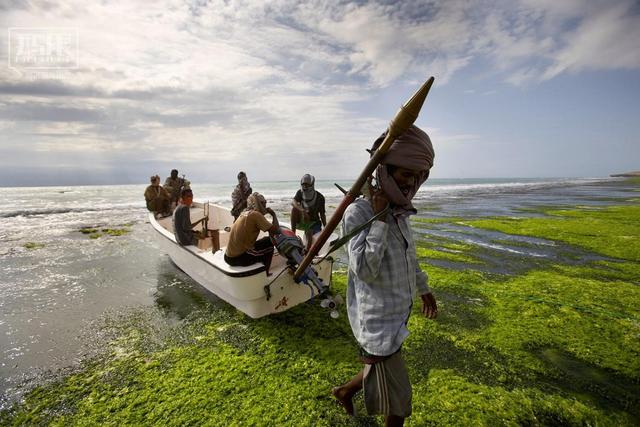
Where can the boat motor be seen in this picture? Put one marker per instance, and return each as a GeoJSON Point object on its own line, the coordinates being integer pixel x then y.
{"type": "Point", "coordinates": [290, 245]}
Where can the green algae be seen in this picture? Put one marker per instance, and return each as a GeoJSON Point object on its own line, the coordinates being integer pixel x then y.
{"type": "Point", "coordinates": [33, 245]}
{"type": "Point", "coordinates": [552, 346]}
{"type": "Point", "coordinates": [550, 309]}
{"type": "Point", "coordinates": [96, 233]}
{"type": "Point", "coordinates": [441, 248]}
{"type": "Point", "coordinates": [425, 222]}
{"type": "Point", "coordinates": [612, 231]}
{"type": "Point", "coordinates": [116, 231]}
{"type": "Point", "coordinates": [443, 253]}
{"type": "Point", "coordinates": [634, 181]}
{"type": "Point", "coordinates": [453, 400]}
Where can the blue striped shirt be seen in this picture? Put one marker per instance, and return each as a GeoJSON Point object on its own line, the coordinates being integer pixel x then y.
{"type": "Point", "coordinates": [383, 278]}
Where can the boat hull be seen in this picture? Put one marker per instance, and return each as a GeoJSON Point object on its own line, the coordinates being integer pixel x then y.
{"type": "Point", "coordinates": [244, 288]}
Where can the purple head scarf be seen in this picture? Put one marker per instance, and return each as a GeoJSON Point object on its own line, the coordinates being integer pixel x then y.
{"type": "Point", "coordinates": [411, 150]}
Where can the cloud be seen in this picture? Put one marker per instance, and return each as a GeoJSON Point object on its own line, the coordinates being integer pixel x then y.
{"type": "Point", "coordinates": [541, 39]}
{"type": "Point", "coordinates": [385, 42]}
{"type": "Point", "coordinates": [37, 111]}
{"type": "Point", "coordinates": [179, 81]}
{"type": "Point", "coordinates": [608, 39]}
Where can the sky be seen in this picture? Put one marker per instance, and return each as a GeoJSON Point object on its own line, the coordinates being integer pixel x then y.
{"type": "Point", "coordinates": [112, 92]}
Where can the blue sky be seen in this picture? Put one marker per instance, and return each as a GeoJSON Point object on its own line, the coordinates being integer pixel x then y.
{"type": "Point", "coordinates": [529, 88]}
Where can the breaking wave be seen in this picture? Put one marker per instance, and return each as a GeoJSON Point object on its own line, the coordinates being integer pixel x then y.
{"type": "Point", "coordinates": [62, 210]}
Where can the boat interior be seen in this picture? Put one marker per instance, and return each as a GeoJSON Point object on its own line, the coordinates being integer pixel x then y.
{"type": "Point", "coordinates": [212, 247]}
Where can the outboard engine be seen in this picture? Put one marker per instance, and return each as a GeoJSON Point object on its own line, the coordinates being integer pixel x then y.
{"type": "Point", "coordinates": [290, 245]}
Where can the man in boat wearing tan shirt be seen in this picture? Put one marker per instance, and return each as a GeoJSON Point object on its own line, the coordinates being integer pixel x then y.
{"type": "Point", "coordinates": [244, 248]}
{"type": "Point", "coordinates": [157, 198]}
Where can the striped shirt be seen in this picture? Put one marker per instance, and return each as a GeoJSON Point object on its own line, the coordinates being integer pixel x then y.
{"type": "Point", "coordinates": [383, 278]}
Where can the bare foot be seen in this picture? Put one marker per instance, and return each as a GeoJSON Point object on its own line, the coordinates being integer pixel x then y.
{"type": "Point", "coordinates": [343, 400]}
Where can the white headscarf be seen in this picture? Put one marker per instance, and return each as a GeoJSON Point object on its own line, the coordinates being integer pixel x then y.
{"type": "Point", "coordinates": [309, 194]}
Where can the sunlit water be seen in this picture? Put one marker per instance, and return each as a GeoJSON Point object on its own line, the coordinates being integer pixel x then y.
{"type": "Point", "coordinates": [50, 296]}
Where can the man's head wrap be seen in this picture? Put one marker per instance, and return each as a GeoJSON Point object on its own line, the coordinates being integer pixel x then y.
{"type": "Point", "coordinates": [243, 184]}
{"type": "Point", "coordinates": [257, 202]}
{"type": "Point", "coordinates": [307, 187]}
{"type": "Point", "coordinates": [411, 150]}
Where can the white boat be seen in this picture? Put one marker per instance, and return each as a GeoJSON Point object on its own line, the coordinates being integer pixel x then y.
{"type": "Point", "coordinates": [249, 289]}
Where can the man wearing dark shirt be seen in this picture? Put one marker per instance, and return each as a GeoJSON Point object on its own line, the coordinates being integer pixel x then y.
{"type": "Point", "coordinates": [308, 211]}
{"type": "Point", "coordinates": [182, 220]}
{"type": "Point", "coordinates": [174, 185]}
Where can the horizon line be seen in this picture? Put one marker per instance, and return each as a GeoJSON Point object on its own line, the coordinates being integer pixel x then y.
{"type": "Point", "coordinates": [296, 180]}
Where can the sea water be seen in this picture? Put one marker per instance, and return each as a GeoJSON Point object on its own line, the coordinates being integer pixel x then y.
{"type": "Point", "coordinates": [52, 293]}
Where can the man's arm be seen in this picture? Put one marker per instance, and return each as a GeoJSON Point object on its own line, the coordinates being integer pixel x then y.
{"type": "Point", "coordinates": [367, 248]}
{"type": "Point", "coordinates": [296, 205]}
{"type": "Point", "coordinates": [183, 224]}
{"type": "Point", "coordinates": [297, 201]}
{"type": "Point", "coordinates": [164, 193]}
{"type": "Point", "coordinates": [422, 281]}
{"type": "Point", "coordinates": [275, 225]}
{"type": "Point", "coordinates": [429, 305]}
{"type": "Point", "coordinates": [235, 196]}
{"type": "Point", "coordinates": [323, 217]}
{"type": "Point", "coordinates": [203, 219]}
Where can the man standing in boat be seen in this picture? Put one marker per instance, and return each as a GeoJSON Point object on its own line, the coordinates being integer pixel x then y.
{"type": "Point", "coordinates": [244, 248]}
{"type": "Point", "coordinates": [173, 184]}
{"type": "Point", "coordinates": [308, 211]}
{"type": "Point", "coordinates": [182, 225]}
{"type": "Point", "coordinates": [384, 276]}
{"type": "Point", "coordinates": [240, 194]}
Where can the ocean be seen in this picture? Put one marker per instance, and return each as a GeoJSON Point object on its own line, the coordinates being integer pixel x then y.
{"type": "Point", "coordinates": [57, 284]}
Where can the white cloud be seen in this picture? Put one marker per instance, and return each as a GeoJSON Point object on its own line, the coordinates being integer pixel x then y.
{"type": "Point", "coordinates": [607, 39]}
{"type": "Point", "coordinates": [238, 79]}
{"type": "Point", "coordinates": [541, 39]}
{"type": "Point", "coordinates": [384, 45]}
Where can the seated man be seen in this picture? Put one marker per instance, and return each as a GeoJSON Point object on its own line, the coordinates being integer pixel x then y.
{"type": "Point", "coordinates": [308, 211]}
{"type": "Point", "coordinates": [244, 248]}
{"type": "Point", "coordinates": [182, 220]}
{"type": "Point", "coordinates": [158, 199]}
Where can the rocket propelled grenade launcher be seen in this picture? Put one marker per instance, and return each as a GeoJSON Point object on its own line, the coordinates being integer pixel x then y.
{"type": "Point", "coordinates": [404, 118]}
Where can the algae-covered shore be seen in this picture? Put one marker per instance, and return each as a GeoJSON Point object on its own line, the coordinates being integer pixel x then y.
{"type": "Point", "coordinates": [526, 338]}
